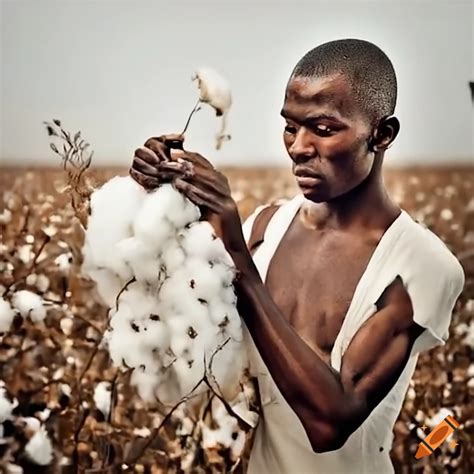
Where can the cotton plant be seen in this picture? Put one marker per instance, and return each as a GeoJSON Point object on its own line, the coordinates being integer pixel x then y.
{"type": "Point", "coordinates": [167, 279]}
{"type": "Point", "coordinates": [215, 91]}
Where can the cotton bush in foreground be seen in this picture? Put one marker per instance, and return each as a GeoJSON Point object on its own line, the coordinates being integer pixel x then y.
{"type": "Point", "coordinates": [168, 281]}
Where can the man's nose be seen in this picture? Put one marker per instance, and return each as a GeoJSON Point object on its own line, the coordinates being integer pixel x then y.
{"type": "Point", "coordinates": [302, 148]}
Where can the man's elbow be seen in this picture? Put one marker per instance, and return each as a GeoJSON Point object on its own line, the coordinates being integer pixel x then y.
{"type": "Point", "coordinates": [328, 439]}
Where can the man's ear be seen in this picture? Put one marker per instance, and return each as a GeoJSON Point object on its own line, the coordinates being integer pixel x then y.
{"type": "Point", "coordinates": [385, 133]}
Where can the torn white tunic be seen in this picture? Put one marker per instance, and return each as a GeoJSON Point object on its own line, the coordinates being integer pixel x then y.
{"type": "Point", "coordinates": [433, 278]}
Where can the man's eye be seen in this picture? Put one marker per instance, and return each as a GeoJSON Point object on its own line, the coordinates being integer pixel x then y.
{"type": "Point", "coordinates": [324, 130]}
{"type": "Point", "coordinates": [290, 129]}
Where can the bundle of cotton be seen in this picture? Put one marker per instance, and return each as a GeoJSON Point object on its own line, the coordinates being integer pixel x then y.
{"type": "Point", "coordinates": [29, 304]}
{"type": "Point", "coordinates": [168, 281]}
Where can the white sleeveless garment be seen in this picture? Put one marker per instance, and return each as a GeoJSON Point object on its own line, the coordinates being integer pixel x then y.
{"type": "Point", "coordinates": [432, 277]}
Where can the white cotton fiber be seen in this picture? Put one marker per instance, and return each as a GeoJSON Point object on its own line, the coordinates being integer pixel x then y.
{"type": "Point", "coordinates": [113, 209]}
{"type": "Point", "coordinates": [189, 372]}
{"type": "Point", "coordinates": [150, 224]}
{"type": "Point", "coordinates": [30, 305]}
{"type": "Point", "coordinates": [102, 397]}
{"type": "Point", "coordinates": [108, 284]}
{"type": "Point", "coordinates": [135, 258]}
{"type": "Point", "coordinates": [6, 315]}
{"type": "Point", "coordinates": [39, 448]}
{"type": "Point", "coordinates": [6, 406]}
{"type": "Point", "coordinates": [155, 334]}
{"type": "Point", "coordinates": [174, 277]}
{"type": "Point", "coordinates": [172, 256]}
{"type": "Point", "coordinates": [199, 240]}
{"type": "Point", "coordinates": [146, 384]}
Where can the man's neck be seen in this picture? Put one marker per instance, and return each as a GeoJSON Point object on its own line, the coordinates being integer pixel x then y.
{"type": "Point", "coordinates": [367, 206]}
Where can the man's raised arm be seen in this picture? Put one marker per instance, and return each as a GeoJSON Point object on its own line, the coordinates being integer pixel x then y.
{"type": "Point", "coordinates": [331, 405]}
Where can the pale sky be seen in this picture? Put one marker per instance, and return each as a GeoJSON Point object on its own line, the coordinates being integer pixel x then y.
{"type": "Point", "coordinates": [120, 71]}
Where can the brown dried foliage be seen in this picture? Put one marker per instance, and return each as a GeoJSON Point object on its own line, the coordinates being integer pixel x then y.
{"type": "Point", "coordinates": [36, 359]}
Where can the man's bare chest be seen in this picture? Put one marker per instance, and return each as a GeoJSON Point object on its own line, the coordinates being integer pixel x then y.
{"type": "Point", "coordinates": [313, 280]}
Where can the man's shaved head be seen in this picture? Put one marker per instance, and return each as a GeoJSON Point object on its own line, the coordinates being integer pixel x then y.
{"type": "Point", "coordinates": [365, 66]}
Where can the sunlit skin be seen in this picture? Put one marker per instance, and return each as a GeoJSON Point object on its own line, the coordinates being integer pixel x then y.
{"type": "Point", "coordinates": [295, 316]}
{"type": "Point", "coordinates": [325, 133]}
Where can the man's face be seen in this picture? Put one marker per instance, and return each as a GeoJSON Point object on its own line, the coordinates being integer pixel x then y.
{"type": "Point", "coordinates": [326, 136]}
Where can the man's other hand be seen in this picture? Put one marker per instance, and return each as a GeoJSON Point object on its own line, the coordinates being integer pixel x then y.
{"type": "Point", "coordinates": [153, 165]}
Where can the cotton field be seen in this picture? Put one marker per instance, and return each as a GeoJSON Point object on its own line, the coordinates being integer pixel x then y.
{"type": "Point", "coordinates": [85, 382]}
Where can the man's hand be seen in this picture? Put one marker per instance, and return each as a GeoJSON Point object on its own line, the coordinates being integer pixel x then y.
{"type": "Point", "coordinates": [163, 159]}
{"type": "Point", "coordinates": [152, 164]}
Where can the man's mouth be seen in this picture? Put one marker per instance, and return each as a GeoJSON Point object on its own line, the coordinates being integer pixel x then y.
{"type": "Point", "coordinates": [307, 178]}
{"type": "Point", "coordinates": [307, 181]}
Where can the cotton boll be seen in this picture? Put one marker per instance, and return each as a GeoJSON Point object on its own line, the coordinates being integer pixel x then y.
{"type": "Point", "coordinates": [241, 407]}
{"type": "Point", "coordinates": [151, 224]}
{"type": "Point", "coordinates": [177, 297]}
{"type": "Point", "coordinates": [168, 391]}
{"type": "Point", "coordinates": [188, 212]}
{"type": "Point", "coordinates": [39, 448]}
{"type": "Point", "coordinates": [148, 271]}
{"type": "Point", "coordinates": [140, 302]}
{"type": "Point", "coordinates": [155, 334]}
{"type": "Point", "coordinates": [102, 397]}
{"type": "Point", "coordinates": [126, 346]}
{"type": "Point", "coordinates": [172, 256]}
{"type": "Point", "coordinates": [113, 209]}
{"type": "Point", "coordinates": [438, 417]}
{"type": "Point", "coordinates": [31, 279]}
{"type": "Point", "coordinates": [13, 468]}
{"type": "Point", "coordinates": [199, 240]}
{"type": "Point", "coordinates": [188, 372]}
{"type": "Point", "coordinates": [225, 273]}
{"type": "Point", "coordinates": [182, 334]}
{"type": "Point", "coordinates": [108, 284]}
{"type": "Point", "coordinates": [214, 89]}
{"type": "Point", "coordinates": [204, 283]}
{"type": "Point", "coordinates": [146, 384]}
{"type": "Point", "coordinates": [25, 253]}
{"type": "Point", "coordinates": [121, 340]}
{"type": "Point", "coordinates": [6, 406]}
{"type": "Point", "coordinates": [5, 216]}
{"type": "Point", "coordinates": [124, 315]}
{"type": "Point", "coordinates": [180, 344]}
{"type": "Point", "coordinates": [29, 304]}
{"type": "Point", "coordinates": [227, 294]}
{"type": "Point", "coordinates": [42, 283]}
{"type": "Point", "coordinates": [6, 315]}
{"type": "Point", "coordinates": [227, 426]}
{"type": "Point", "coordinates": [227, 366]}
{"type": "Point", "coordinates": [134, 258]}
{"type": "Point", "coordinates": [237, 446]}
{"type": "Point", "coordinates": [32, 424]}
{"type": "Point", "coordinates": [224, 315]}
{"type": "Point", "coordinates": [63, 261]}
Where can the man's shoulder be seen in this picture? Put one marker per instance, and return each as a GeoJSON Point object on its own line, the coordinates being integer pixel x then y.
{"type": "Point", "coordinates": [428, 252]}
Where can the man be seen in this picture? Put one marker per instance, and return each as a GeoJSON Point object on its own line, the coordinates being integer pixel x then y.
{"type": "Point", "coordinates": [344, 289]}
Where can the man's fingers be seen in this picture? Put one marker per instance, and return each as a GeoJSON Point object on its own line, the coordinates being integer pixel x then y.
{"type": "Point", "coordinates": [144, 167]}
{"type": "Point", "coordinates": [148, 182]}
{"type": "Point", "coordinates": [148, 156]}
{"type": "Point", "coordinates": [162, 172]}
{"type": "Point", "coordinates": [174, 141]}
{"type": "Point", "coordinates": [194, 158]}
{"type": "Point", "coordinates": [157, 145]}
{"type": "Point", "coordinates": [196, 195]}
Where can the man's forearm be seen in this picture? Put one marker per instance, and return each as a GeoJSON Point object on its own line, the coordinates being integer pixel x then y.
{"type": "Point", "coordinates": [304, 379]}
